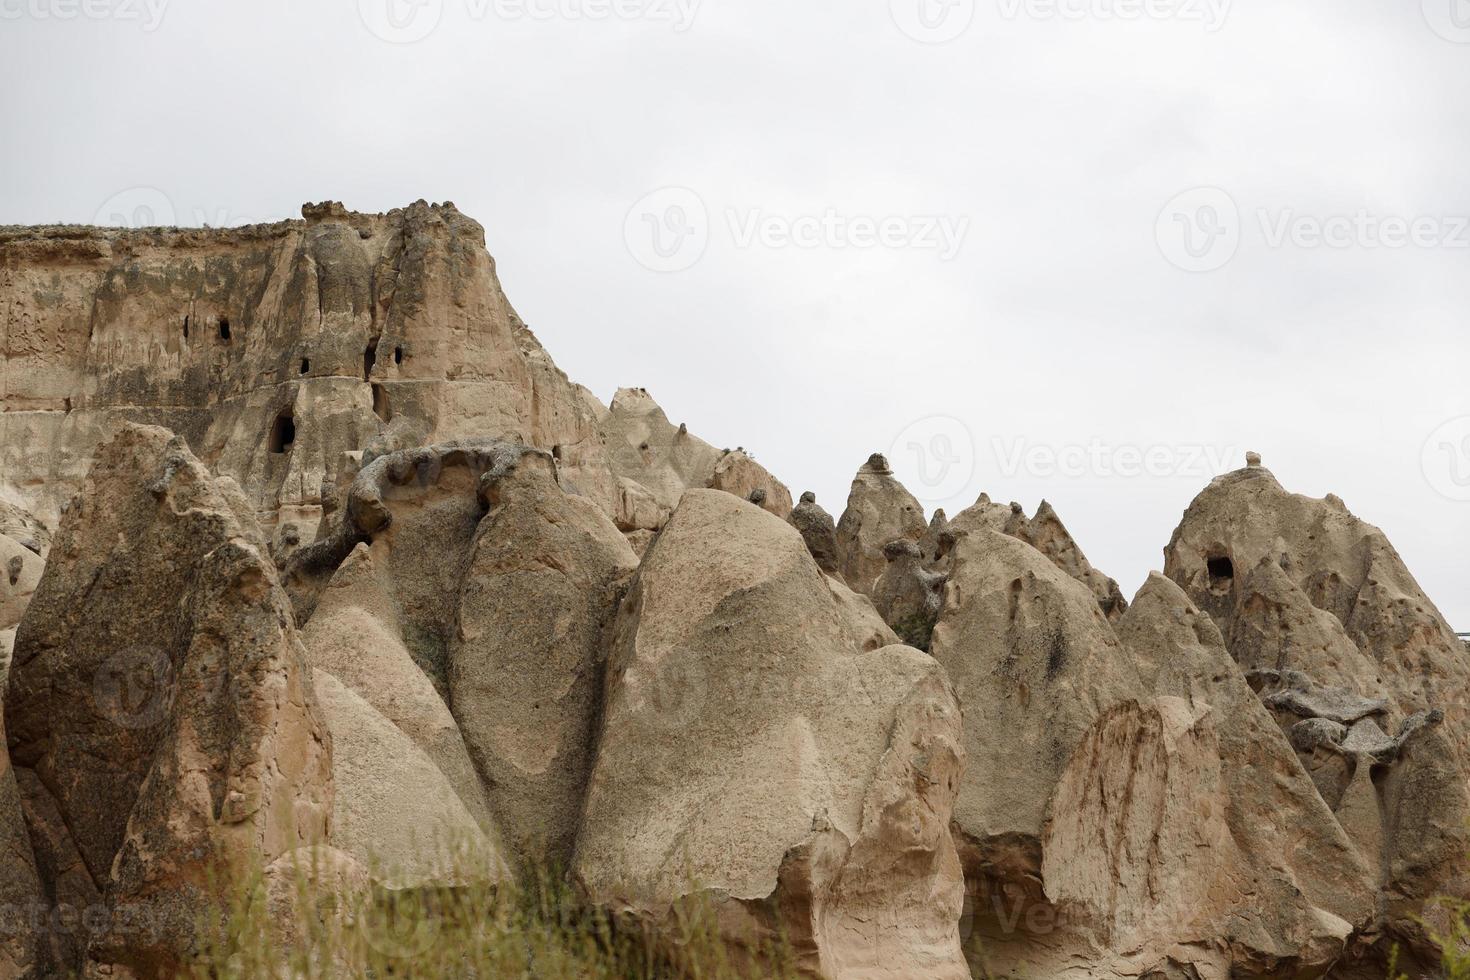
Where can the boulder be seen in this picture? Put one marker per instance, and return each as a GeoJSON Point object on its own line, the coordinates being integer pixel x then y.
{"type": "Point", "coordinates": [1035, 664]}
{"type": "Point", "coordinates": [356, 636]}
{"type": "Point", "coordinates": [159, 712]}
{"type": "Point", "coordinates": [545, 573]}
{"type": "Point", "coordinates": [394, 811]}
{"type": "Point", "coordinates": [645, 447]}
{"type": "Point", "coordinates": [879, 510]}
{"type": "Point", "coordinates": [754, 757]}
{"type": "Point", "coordinates": [907, 595]}
{"type": "Point", "coordinates": [738, 473]}
{"type": "Point", "coordinates": [818, 530]}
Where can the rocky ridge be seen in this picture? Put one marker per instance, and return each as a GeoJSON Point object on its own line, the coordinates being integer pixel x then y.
{"type": "Point", "coordinates": [310, 549]}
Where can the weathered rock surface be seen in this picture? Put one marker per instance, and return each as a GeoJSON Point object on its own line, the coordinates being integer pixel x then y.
{"type": "Point", "coordinates": [907, 595]}
{"type": "Point", "coordinates": [355, 636]}
{"type": "Point", "coordinates": [273, 350]}
{"type": "Point", "coordinates": [526, 661]}
{"type": "Point", "coordinates": [879, 510]}
{"type": "Point", "coordinates": [818, 530]}
{"type": "Point", "coordinates": [159, 710]}
{"type": "Point", "coordinates": [20, 887]}
{"type": "Point", "coordinates": [738, 473]}
{"type": "Point", "coordinates": [1045, 532]}
{"type": "Point", "coordinates": [751, 748]}
{"type": "Point", "coordinates": [1034, 663]}
{"type": "Point", "coordinates": [1302, 587]}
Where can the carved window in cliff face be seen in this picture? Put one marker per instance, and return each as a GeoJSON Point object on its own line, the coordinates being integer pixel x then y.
{"type": "Point", "coordinates": [305, 365]}
{"type": "Point", "coordinates": [186, 328]}
{"type": "Point", "coordinates": [1222, 572]}
{"type": "Point", "coordinates": [398, 355]}
{"type": "Point", "coordinates": [283, 433]}
{"type": "Point", "coordinates": [369, 358]}
{"type": "Point", "coordinates": [224, 328]}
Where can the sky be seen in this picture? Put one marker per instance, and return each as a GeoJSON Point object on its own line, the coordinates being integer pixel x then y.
{"type": "Point", "coordinates": [1090, 251]}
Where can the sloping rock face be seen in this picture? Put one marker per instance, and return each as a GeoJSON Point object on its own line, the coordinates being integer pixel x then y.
{"type": "Point", "coordinates": [1035, 664]}
{"type": "Point", "coordinates": [1046, 533]}
{"type": "Point", "coordinates": [753, 755]}
{"type": "Point", "coordinates": [818, 530]}
{"type": "Point", "coordinates": [526, 662]}
{"type": "Point", "coordinates": [1301, 587]}
{"type": "Point", "coordinates": [879, 510]}
{"type": "Point", "coordinates": [273, 350]}
{"type": "Point", "coordinates": [20, 887]}
{"type": "Point", "coordinates": [159, 709]}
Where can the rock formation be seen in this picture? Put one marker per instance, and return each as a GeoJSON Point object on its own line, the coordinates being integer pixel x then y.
{"type": "Point", "coordinates": [1301, 587]}
{"type": "Point", "coordinates": [389, 592]}
{"type": "Point", "coordinates": [753, 754]}
{"type": "Point", "coordinates": [525, 665]}
{"type": "Point", "coordinates": [879, 510]}
{"type": "Point", "coordinates": [159, 713]}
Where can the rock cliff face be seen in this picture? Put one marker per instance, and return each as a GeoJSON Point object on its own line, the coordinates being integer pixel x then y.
{"type": "Point", "coordinates": [374, 574]}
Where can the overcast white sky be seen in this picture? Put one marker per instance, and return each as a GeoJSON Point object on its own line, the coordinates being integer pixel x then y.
{"type": "Point", "coordinates": [969, 254]}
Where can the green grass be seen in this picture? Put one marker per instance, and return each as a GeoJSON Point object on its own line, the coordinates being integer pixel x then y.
{"type": "Point", "coordinates": [311, 926]}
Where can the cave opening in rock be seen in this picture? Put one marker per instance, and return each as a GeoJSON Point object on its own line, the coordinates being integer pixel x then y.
{"type": "Point", "coordinates": [186, 328]}
{"type": "Point", "coordinates": [380, 404]}
{"type": "Point", "coordinates": [305, 365]}
{"type": "Point", "coordinates": [1222, 572]}
{"type": "Point", "coordinates": [224, 329]}
{"type": "Point", "coordinates": [369, 358]}
{"type": "Point", "coordinates": [398, 355]}
{"type": "Point", "coordinates": [283, 433]}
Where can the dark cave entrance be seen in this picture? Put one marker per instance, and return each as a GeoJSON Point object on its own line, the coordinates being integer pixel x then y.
{"type": "Point", "coordinates": [1222, 572]}
{"type": "Point", "coordinates": [283, 433]}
